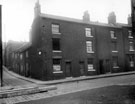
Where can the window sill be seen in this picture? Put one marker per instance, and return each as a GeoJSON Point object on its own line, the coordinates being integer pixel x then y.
{"type": "Point", "coordinates": [58, 72]}
{"type": "Point", "coordinates": [130, 37]}
{"type": "Point", "coordinates": [91, 52]}
{"type": "Point", "coordinates": [92, 70]}
{"type": "Point", "coordinates": [57, 51]}
{"type": "Point", "coordinates": [131, 50]}
{"type": "Point", "coordinates": [90, 36]}
{"type": "Point", "coordinates": [115, 51]}
{"type": "Point", "coordinates": [116, 67]}
{"type": "Point", "coordinates": [113, 38]}
{"type": "Point", "coordinates": [57, 33]}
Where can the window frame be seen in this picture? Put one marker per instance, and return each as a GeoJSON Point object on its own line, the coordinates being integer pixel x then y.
{"type": "Point", "coordinates": [130, 34]}
{"type": "Point", "coordinates": [131, 61]}
{"type": "Point", "coordinates": [131, 46]}
{"type": "Point", "coordinates": [27, 54]}
{"type": "Point", "coordinates": [113, 35]}
{"type": "Point", "coordinates": [114, 47]}
{"type": "Point", "coordinates": [56, 66]}
{"type": "Point", "coordinates": [55, 28]}
{"type": "Point", "coordinates": [58, 49]}
{"type": "Point", "coordinates": [90, 64]}
{"type": "Point", "coordinates": [88, 32]}
{"type": "Point", "coordinates": [21, 56]}
{"type": "Point", "coordinates": [89, 46]}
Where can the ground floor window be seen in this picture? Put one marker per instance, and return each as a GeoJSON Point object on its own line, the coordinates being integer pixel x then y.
{"type": "Point", "coordinates": [115, 61]}
{"type": "Point", "coordinates": [27, 69]}
{"type": "Point", "coordinates": [131, 46]}
{"type": "Point", "coordinates": [90, 64]}
{"type": "Point", "coordinates": [131, 61]}
{"type": "Point", "coordinates": [56, 65]}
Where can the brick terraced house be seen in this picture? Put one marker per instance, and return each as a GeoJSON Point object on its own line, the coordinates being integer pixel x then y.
{"type": "Point", "coordinates": [62, 47]}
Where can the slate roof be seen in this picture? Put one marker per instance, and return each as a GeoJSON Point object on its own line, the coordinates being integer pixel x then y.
{"type": "Point", "coordinates": [117, 25]}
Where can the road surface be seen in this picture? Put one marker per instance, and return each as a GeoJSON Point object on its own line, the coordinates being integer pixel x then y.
{"type": "Point", "coordinates": [72, 87]}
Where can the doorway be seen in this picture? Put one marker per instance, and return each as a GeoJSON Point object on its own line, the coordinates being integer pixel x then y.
{"type": "Point", "coordinates": [68, 69]}
{"type": "Point", "coordinates": [108, 68]}
{"type": "Point", "coordinates": [82, 68]}
{"type": "Point", "coordinates": [101, 67]}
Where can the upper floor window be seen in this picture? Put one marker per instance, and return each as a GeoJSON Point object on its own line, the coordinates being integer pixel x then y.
{"type": "Point", "coordinates": [89, 47]}
{"type": "Point", "coordinates": [27, 54]}
{"type": "Point", "coordinates": [130, 34]}
{"type": "Point", "coordinates": [12, 55]}
{"type": "Point", "coordinates": [15, 55]}
{"type": "Point", "coordinates": [88, 32]}
{"type": "Point", "coordinates": [131, 46]}
{"type": "Point", "coordinates": [114, 47]}
{"type": "Point", "coordinates": [113, 35]}
{"type": "Point", "coordinates": [21, 56]}
{"type": "Point", "coordinates": [56, 44]}
{"type": "Point", "coordinates": [55, 28]}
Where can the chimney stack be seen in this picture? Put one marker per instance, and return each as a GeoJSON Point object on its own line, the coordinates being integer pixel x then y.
{"type": "Point", "coordinates": [37, 9]}
{"type": "Point", "coordinates": [112, 18]}
{"type": "Point", "coordinates": [86, 16]}
{"type": "Point", "coordinates": [129, 20]}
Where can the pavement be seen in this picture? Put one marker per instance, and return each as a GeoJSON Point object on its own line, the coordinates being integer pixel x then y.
{"type": "Point", "coordinates": [70, 79]}
{"type": "Point", "coordinates": [71, 85]}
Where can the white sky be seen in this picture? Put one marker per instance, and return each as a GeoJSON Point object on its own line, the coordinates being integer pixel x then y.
{"type": "Point", "coordinates": [18, 14]}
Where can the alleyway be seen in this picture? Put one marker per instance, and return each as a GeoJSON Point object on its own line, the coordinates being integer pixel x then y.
{"type": "Point", "coordinates": [10, 80]}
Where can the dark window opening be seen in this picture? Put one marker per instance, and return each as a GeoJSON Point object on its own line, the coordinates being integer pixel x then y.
{"type": "Point", "coordinates": [56, 44]}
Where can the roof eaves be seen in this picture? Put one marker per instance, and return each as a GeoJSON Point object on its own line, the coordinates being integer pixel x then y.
{"type": "Point", "coordinates": [24, 47]}
{"type": "Point", "coordinates": [77, 20]}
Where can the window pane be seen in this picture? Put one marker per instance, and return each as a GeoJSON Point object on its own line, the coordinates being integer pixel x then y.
{"type": "Point", "coordinates": [56, 65]}
{"type": "Point", "coordinates": [21, 56]}
{"type": "Point", "coordinates": [131, 61]}
{"type": "Point", "coordinates": [113, 35]}
{"type": "Point", "coordinates": [55, 28]}
{"type": "Point", "coordinates": [89, 46]}
{"type": "Point", "coordinates": [130, 33]}
{"type": "Point", "coordinates": [88, 32]}
{"type": "Point", "coordinates": [90, 64]}
{"type": "Point", "coordinates": [131, 46]}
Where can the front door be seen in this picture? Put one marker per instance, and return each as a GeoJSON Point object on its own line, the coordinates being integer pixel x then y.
{"type": "Point", "coordinates": [101, 66]}
{"type": "Point", "coordinates": [108, 68]}
{"type": "Point", "coordinates": [27, 70]}
{"type": "Point", "coordinates": [82, 68]}
{"type": "Point", "coordinates": [68, 69]}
